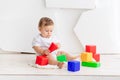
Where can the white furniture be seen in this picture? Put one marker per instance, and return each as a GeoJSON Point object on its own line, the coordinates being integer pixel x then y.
{"type": "Point", "coordinates": [14, 66]}
{"type": "Point", "coordinates": [77, 4]}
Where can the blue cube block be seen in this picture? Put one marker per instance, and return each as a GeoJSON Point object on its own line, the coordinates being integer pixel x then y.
{"type": "Point", "coordinates": [73, 66]}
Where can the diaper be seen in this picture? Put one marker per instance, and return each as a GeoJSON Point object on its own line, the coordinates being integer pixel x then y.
{"type": "Point", "coordinates": [54, 53]}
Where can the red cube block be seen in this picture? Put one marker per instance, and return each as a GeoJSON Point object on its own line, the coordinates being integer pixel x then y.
{"type": "Point", "coordinates": [53, 47]}
{"type": "Point", "coordinates": [96, 57]}
{"type": "Point", "coordinates": [41, 60]}
{"type": "Point", "coordinates": [91, 48]}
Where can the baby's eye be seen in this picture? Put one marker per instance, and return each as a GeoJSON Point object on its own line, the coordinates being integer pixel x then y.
{"type": "Point", "coordinates": [47, 31]}
{"type": "Point", "coordinates": [51, 31]}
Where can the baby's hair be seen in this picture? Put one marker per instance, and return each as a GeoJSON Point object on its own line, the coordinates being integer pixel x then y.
{"type": "Point", "coordinates": [45, 21]}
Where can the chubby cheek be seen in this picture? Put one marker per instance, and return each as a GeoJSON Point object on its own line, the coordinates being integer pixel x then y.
{"type": "Point", "coordinates": [45, 33]}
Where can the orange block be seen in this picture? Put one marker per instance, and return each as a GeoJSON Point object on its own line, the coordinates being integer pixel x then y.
{"type": "Point", "coordinates": [86, 57]}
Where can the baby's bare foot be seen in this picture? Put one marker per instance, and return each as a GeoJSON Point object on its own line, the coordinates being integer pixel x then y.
{"type": "Point", "coordinates": [60, 65]}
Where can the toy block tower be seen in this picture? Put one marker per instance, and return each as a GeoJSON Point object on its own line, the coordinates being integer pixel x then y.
{"type": "Point", "coordinates": [92, 49]}
{"type": "Point", "coordinates": [88, 56]}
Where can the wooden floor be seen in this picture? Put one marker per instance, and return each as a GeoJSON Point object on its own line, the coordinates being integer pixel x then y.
{"type": "Point", "coordinates": [20, 65]}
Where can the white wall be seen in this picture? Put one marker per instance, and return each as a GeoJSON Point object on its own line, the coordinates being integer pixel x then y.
{"type": "Point", "coordinates": [65, 21]}
{"type": "Point", "coordinates": [19, 20]}
{"type": "Point", "coordinates": [18, 23]}
{"type": "Point", "coordinates": [101, 26]}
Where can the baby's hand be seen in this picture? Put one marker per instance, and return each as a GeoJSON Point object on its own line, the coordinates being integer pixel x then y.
{"type": "Point", "coordinates": [58, 45]}
{"type": "Point", "coordinates": [46, 52]}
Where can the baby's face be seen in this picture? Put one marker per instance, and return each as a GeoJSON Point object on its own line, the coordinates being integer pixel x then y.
{"type": "Point", "coordinates": [46, 31]}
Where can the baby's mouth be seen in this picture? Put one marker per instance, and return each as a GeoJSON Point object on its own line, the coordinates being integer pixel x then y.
{"type": "Point", "coordinates": [48, 36]}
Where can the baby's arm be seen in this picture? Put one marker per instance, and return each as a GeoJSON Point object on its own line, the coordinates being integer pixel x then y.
{"type": "Point", "coordinates": [41, 51]}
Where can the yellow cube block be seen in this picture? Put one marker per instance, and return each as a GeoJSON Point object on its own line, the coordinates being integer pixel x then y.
{"type": "Point", "coordinates": [86, 57]}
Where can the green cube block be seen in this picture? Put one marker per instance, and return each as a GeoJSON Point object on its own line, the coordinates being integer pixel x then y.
{"type": "Point", "coordinates": [91, 64]}
{"type": "Point", "coordinates": [61, 58]}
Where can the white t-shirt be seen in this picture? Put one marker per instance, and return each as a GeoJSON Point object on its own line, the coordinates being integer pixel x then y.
{"type": "Point", "coordinates": [44, 42]}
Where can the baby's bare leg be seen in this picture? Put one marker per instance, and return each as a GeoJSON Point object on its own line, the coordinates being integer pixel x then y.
{"type": "Point", "coordinates": [69, 57]}
{"type": "Point", "coordinates": [53, 61]}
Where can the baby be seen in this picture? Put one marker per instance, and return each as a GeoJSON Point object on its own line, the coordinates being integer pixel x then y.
{"type": "Point", "coordinates": [43, 40]}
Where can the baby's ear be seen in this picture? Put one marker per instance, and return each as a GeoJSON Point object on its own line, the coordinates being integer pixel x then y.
{"type": "Point", "coordinates": [39, 28]}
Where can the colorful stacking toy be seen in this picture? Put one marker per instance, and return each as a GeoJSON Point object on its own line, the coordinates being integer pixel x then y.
{"type": "Point", "coordinates": [88, 56]}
